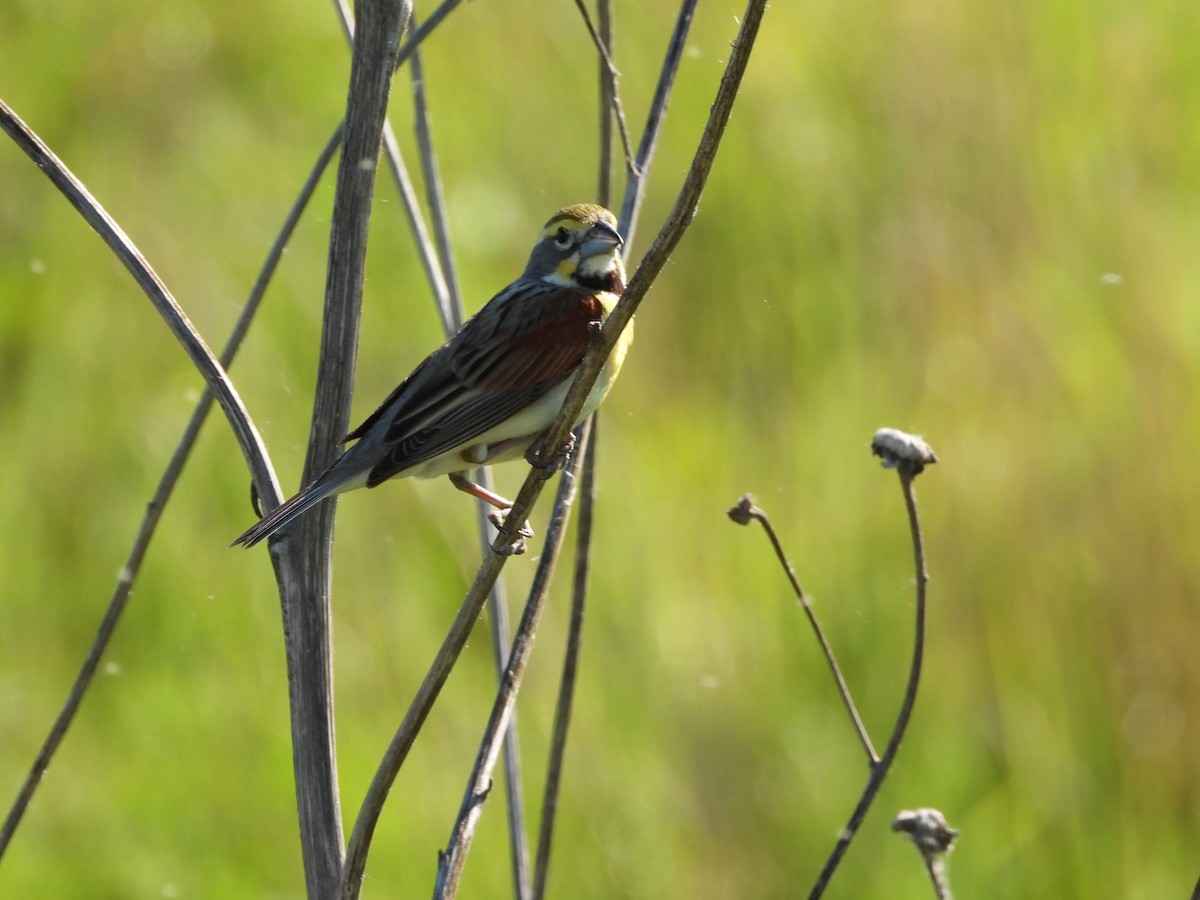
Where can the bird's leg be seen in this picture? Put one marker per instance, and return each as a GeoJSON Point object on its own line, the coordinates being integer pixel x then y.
{"type": "Point", "coordinates": [499, 515]}
{"type": "Point", "coordinates": [557, 461]}
{"type": "Point", "coordinates": [464, 484]}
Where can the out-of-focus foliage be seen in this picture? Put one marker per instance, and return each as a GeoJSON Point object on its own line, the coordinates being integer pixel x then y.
{"type": "Point", "coordinates": [973, 221]}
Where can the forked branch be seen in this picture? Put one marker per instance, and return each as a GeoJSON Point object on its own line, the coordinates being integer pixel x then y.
{"type": "Point", "coordinates": [909, 456]}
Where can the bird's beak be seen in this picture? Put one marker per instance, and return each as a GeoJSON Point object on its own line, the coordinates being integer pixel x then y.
{"type": "Point", "coordinates": [600, 240]}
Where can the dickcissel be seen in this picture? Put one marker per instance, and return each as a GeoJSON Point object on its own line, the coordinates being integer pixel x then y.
{"type": "Point", "coordinates": [488, 393]}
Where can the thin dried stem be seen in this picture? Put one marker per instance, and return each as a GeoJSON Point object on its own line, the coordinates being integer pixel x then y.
{"type": "Point", "coordinates": [434, 195]}
{"type": "Point", "coordinates": [155, 507]}
{"type": "Point", "coordinates": [393, 758]}
{"type": "Point", "coordinates": [302, 559]}
{"type": "Point", "coordinates": [566, 692]}
{"type": "Point", "coordinates": [514, 796]}
{"type": "Point", "coordinates": [452, 860]}
{"type": "Point", "coordinates": [907, 470]}
{"type": "Point", "coordinates": [198, 352]}
{"type": "Point", "coordinates": [612, 96]}
{"type": "Point", "coordinates": [419, 34]}
{"type": "Point", "coordinates": [635, 188]}
{"type": "Point", "coordinates": [608, 93]}
{"type": "Point", "coordinates": [745, 512]}
{"type": "Point", "coordinates": [450, 315]}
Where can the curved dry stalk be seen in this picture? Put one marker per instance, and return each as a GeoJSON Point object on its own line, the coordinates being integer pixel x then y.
{"type": "Point", "coordinates": [635, 187]}
{"type": "Point", "coordinates": [198, 352]}
{"type": "Point", "coordinates": [302, 559]}
{"type": "Point", "coordinates": [747, 511]}
{"type": "Point", "coordinates": [452, 860]}
{"type": "Point", "coordinates": [436, 199]}
{"type": "Point", "coordinates": [154, 509]}
{"type": "Point", "coordinates": [908, 469]}
{"type": "Point", "coordinates": [608, 93]}
{"type": "Point", "coordinates": [201, 356]}
{"type": "Point", "coordinates": [566, 693]}
{"type": "Point", "coordinates": [609, 96]}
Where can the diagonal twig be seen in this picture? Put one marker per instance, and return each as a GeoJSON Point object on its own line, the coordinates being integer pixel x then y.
{"type": "Point", "coordinates": [743, 513]}
{"type": "Point", "coordinates": [635, 188]}
{"type": "Point", "coordinates": [514, 796]}
{"type": "Point", "coordinates": [583, 540]}
{"type": "Point", "coordinates": [566, 694]}
{"type": "Point", "coordinates": [609, 94]}
{"type": "Point", "coordinates": [452, 860]}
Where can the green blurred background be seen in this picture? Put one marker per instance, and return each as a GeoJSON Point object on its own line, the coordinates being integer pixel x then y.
{"type": "Point", "coordinates": [975, 221]}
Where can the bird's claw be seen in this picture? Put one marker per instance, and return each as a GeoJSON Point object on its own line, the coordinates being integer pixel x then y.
{"type": "Point", "coordinates": [556, 461]}
{"type": "Point", "coordinates": [499, 518]}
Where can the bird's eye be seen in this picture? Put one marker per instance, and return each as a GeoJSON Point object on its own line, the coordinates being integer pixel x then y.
{"type": "Point", "coordinates": [562, 239]}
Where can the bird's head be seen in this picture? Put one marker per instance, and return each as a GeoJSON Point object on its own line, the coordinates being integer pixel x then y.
{"type": "Point", "coordinates": [580, 247]}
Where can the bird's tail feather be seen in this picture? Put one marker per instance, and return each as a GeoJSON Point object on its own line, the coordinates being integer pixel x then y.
{"type": "Point", "coordinates": [289, 510]}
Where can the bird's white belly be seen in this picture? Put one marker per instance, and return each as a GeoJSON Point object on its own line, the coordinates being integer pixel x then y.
{"type": "Point", "coordinates": [511, 438]}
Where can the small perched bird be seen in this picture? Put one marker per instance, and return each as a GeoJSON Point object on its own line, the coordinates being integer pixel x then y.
{"type": "Point", "coordinates": [489, 392]}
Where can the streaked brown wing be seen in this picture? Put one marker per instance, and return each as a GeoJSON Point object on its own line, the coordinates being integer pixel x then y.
{"type": "Point", "coordinates": [467, 420]}
{"type": "Point", "coordinates": [517, 348]}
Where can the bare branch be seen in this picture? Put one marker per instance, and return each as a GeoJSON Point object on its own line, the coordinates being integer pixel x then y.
{"type": "Point", "coordinates": [451, 861]}
{"type": "Point", "coordinates": [302, 558]}
{"type": "Point", "coordinates": [745, 512]}
{"type": "Point", "coordinates": [610, 96]}
{"type": "Point", "coordinates": [566, 693]}
{"type": "Point", "coordinates": [635, 188]}
{"type": "Point", "coordinates": [147, 279]}
{"type": "Point", "coordinates": [435, 196]}
{"type": "Point", "coordinates": [908, 468]}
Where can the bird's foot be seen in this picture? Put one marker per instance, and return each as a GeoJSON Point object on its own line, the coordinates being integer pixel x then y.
{"type": "Point", "coordinates": [555, 461]}
{"type": "Point", "coordinates": [499, 518]}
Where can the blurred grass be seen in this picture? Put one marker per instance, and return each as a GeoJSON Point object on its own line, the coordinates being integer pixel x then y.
{"type": "Point", "coordinates": [976, 222]}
